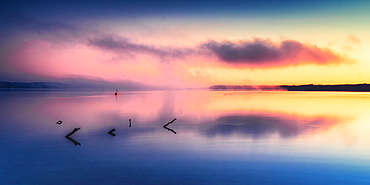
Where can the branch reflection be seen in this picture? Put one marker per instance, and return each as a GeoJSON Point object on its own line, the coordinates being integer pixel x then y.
{"type": "Point", "coordinates": [169, 129]}
{"type": "Point", "coordinates": [73, 141]}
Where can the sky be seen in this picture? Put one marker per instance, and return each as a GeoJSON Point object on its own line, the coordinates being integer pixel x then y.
{"type": "Point", "coordinates": [176, 44]}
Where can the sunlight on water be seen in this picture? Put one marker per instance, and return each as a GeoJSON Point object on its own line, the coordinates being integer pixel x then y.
{"type": "Point", "coordinates": [218, 137]}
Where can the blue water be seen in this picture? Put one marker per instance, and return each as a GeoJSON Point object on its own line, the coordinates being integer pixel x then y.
{"type": "Point", "coordinates": [221, 138]}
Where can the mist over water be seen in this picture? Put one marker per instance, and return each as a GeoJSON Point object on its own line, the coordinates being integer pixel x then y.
{"type": "Point", "coordinates": [218, 137]}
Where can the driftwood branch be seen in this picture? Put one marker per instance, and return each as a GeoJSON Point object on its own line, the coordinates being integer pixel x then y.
{"type": "Point", "coordinates": [165, 126]}
{"type": "Point", "coordinates": [111, 132]}
{"type": "Point", "coordinates": [72, 140]}
{"type": "Point", "coordinates": [169, 122]}
{"type": "Point", "coordinates": [73, 131]}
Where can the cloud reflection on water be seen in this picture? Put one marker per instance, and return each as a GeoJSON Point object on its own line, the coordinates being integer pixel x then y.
{"type": "Point", "coordinates": [207, 113]}
{"type": "Point", "coordinates": [262, 125]}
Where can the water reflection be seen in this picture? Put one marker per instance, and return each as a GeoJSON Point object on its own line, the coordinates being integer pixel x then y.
{"type": "Point", "coordinates": [209, 113]}
{"type": "Point", "coordinates": [263, 125]}
{"type": "Point", "coordinates": [73, 141]}
{"type": "Point", "coordinates": [169, 129]}
{"type": "Point", "coordinates": [246, 138]}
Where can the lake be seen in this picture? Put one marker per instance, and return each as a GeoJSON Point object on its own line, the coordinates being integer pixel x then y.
{"type": "Point", "coordinates": [218, 137]}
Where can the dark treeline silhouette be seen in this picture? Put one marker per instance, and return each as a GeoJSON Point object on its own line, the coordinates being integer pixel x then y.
{"type": "Point", "coordinates": [244, 88]}
{"type": "Point", "coordinates": [310, 87]}
{"type": "Point", "coordinates": [344, 87]}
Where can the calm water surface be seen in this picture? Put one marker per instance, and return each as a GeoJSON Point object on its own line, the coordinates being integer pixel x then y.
{"type": "Point", "coordinates": [217, 138]}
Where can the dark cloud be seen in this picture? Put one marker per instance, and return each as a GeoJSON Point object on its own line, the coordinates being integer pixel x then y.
{"type": "Point", "coordinates": [258, 53]}
{"type": "Point", "coordinates": [261, 125]}
{"type": "Point", "coordinates": [262, 53]}
{"type": "Point", "coordinates": [125, 46]}
{"type": "Point", "coordinates": [18, 22]}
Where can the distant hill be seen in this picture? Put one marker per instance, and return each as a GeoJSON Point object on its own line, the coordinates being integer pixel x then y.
{"type": "Point", "coordinates": [33, 85]}
{"type": "Point", "coordinates": [79, 84]}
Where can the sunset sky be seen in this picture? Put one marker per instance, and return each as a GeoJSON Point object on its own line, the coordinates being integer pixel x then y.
{"type": "Point", "coordinates": [188, 43]}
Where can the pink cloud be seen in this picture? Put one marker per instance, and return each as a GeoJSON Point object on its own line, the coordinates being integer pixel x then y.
{"type": "Point", "coordinates": [119, 59]}
{"type": "Point", "coordinates": [50, 61]}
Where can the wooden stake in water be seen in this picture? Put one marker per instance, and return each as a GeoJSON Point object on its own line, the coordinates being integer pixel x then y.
{"type": "Point", "coordinates": [129, 120]}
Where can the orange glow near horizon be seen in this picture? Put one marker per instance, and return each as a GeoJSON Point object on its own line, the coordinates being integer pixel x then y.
{"type": "Point", "coordinates": [197, 68]}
